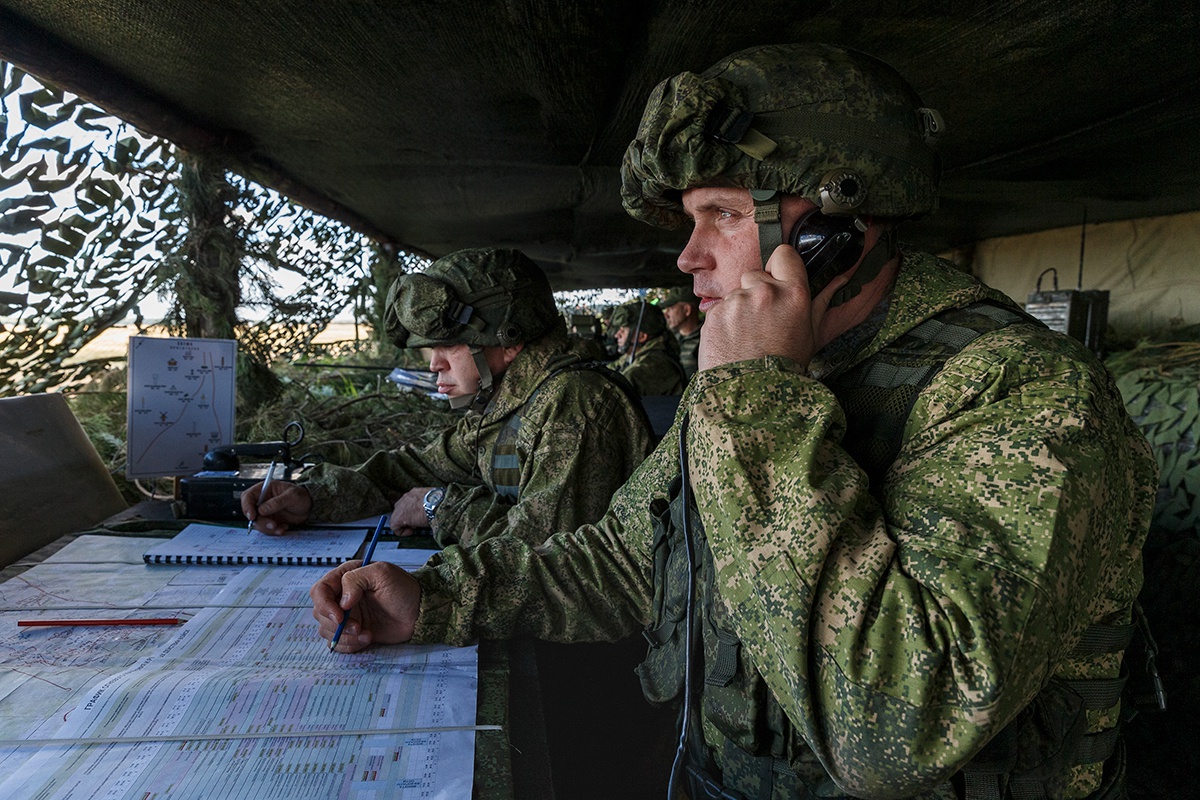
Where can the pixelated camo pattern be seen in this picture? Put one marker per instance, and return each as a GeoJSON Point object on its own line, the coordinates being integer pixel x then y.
{"type": "Point", "coordinates": [578, 442]}
{"type": "Point", "coordinates": [899, 636]}
{"type": "Point", "coordinates": [655, 368]}
{"type": "Point", "coordinates": [674, 149]}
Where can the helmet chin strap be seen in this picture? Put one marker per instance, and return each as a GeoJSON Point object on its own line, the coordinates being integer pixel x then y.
{"type": "Point", "coordinates": [486, 383]}
{"type": "Point", "coordinates": [869, 266]}
{"type": "Point", "coordinates": [769, 217]}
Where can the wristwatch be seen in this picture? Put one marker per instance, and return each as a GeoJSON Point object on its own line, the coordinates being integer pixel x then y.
{"type": "Point", "coordinates": [433, 498]}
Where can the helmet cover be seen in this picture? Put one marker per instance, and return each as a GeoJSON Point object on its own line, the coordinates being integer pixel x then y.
{"type": "Point", "coordinates": [653, 323]}
{"type": "Point", "coordinates": [838, 127]}
{"type": "Point", "coordinates": [678, 294]}
{"type": "Point", "coordinates": [479, 297]}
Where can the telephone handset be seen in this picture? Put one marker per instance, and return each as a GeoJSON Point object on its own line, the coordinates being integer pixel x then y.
{"type": "Point", "coordinates": [828, 245]}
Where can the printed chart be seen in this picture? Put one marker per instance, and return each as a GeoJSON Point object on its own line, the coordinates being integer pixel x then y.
{"type": "Point", "coordinates": [245, 701]}
{"type": "Point", "coordinates": [181, 403]}
{"type": "Point", "coordinates": [42, 670]}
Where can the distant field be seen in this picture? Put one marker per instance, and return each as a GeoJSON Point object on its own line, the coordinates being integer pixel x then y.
{"type": "Point", "coordinates": [115, 341]}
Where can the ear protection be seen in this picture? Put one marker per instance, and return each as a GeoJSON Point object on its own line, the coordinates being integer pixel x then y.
{"type": "Point", "coordinates": [828, 245]}
{"type": "Point", "coordinates": [509, 334]}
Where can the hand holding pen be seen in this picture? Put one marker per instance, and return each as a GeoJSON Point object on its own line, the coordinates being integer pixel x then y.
{"type": "Point", "coordinates": [261, 493]}
{"type": "Point", "coordinates": [357, 605]}
{"type": "Point", "coordinates": [337, 634]}
{"type": "Point", "coordinates": [286, 506]}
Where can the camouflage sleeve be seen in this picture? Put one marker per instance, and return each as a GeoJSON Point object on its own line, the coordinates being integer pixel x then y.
{"type": "Point", "coordinates": [591, 584]}
{"type": "Point", "coordinates": [347, 493]}
{"type": "Point", "coordinates": [577, 445]}
{"type": "Point", "coordinates": [900, 639]}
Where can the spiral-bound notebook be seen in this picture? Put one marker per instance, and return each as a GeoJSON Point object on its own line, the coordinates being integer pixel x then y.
{"type": "Point", "coordinates": [217, 544]}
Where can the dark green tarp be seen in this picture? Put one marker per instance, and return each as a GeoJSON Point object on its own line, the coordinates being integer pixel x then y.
{"type": "Point", "coordinates": [441, 125]}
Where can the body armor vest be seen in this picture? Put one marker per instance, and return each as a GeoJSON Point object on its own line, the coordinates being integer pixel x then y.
{"type": "Point", "coordinates": [506, 461]}
{"type": "Point", "coordinates": [761, 755]}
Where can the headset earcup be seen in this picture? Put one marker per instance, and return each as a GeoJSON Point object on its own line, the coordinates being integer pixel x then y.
{"type": "Point", "coordinates": [828, 245]}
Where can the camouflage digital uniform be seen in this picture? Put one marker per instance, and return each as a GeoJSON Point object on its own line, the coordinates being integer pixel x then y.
{"type": "Point", "coordinates": [689, 343]}
{"type": "Point", "coordinates": [655, 367]}
{"type": "Point", "coordinates": [897, 631]}
{"type": "Point", "coordinates": [579, 440]}
{"type": "Point", "coordinates": [654, 370]}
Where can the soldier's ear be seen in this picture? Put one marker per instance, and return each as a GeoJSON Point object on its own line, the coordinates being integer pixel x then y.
{"type": "Point", "coordinates": [512, 351]}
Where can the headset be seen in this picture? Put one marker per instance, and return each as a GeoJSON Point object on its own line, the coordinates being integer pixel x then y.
{"type": "Point", "coordinates": [829, 246]}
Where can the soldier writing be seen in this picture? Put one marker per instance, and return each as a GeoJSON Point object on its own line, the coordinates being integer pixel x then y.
{"type": "Point", "coordinates": [542, 446]}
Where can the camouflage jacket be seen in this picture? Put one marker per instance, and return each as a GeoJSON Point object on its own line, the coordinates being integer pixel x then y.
{"type": "Point", "coordinates": [655, 368]}
{"type": "Point", "coordinates": [579, 440]}
{"type": "Point", "coordinates": [899, 633]}
{"type": "Point", "coordinates": [689, 351]}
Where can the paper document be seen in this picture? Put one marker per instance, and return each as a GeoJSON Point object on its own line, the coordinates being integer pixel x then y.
{"type": "Point", "coordinates": [409, 558]}
{"type": "Point", "coordinates": [254, 706]}
{"type": "Point", "coordinates": [217, 544]}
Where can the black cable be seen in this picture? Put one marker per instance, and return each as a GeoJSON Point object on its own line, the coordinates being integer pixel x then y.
{"type": "Point", "coordinates": [685, 491]}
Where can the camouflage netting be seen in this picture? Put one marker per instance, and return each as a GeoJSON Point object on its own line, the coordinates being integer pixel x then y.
{"type": "Point", "coordinates": [1164, 400]}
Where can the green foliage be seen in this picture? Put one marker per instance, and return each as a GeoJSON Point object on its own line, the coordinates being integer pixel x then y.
{"type": "Point", "coordinates": [348, 413]}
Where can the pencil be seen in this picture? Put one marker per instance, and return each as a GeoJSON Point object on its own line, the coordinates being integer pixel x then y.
{"type": "Point", "coordinates": [337, 634]}
{"type": "Point", "coordinates": [52, 623]}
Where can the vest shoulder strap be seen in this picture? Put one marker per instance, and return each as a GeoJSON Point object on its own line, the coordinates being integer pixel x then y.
{"type": "Point", "coordinates": [506, 462]}
{"type": "Point", "coordinates": [878, 395]}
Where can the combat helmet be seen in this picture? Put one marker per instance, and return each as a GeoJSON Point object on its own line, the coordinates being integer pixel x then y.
{"type": "Point", "coordinates": [480, 297]}
{"type": "Point", "coordinates": [838, 127]}
{"type": "Point", "coordinates": [676, 295]}
{"type": "Point", "coordinates": [639, 317]}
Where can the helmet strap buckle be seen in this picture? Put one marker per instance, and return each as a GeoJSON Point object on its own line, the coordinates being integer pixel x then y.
{"type": "Point", "coordinates": [768, 216]}
{"type": "Point", "coordinates": [460, 312]}
{"type": "Point", "coordinates": [480, 399]}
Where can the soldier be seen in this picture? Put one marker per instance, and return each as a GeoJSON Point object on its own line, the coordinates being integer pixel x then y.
{"type": "Point", "coordinates": [891, 545]}
{"type": "Point", "coordinates": [682, 310]}
{"type": "Point", "coordinates": [544, 442]}
{"type": "Point", "coordinates": [648, 354]}
{"type": "Point", "coordinates": [585, 337]}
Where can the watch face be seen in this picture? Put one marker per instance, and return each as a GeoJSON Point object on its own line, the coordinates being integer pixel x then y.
{"type": "Point", "coordinates": [432, 498]}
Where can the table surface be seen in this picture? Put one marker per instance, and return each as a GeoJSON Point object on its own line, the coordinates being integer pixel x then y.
{"type": "Point", "coordinates": [573, 721]}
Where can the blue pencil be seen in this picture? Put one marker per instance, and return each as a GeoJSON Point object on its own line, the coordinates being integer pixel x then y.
{"type": "Point", "coordinates": [337, 634]}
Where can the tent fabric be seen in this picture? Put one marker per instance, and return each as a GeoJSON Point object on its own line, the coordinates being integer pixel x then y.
{"type": "Point", "coordinates": [450, 124]}
{"type": "Point", "coordinates": [1148, 265]}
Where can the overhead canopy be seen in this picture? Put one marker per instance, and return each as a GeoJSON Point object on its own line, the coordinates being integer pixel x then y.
{"type": "Point", "coordinates": [443, 125]}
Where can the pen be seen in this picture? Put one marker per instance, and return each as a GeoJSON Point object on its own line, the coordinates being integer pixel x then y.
{"type": "Point", "coordinates": [52, 623]}
{"type": "Point", "coordinates": [266, 483]}
{"type": "Point", "coordinates": [337, 634]}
